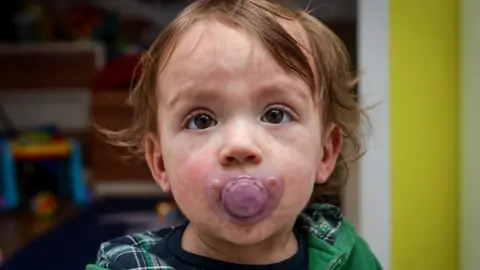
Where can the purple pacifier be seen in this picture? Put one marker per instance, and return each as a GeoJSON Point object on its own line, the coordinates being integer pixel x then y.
{"type": "Point", "coordinates": [243, 198]}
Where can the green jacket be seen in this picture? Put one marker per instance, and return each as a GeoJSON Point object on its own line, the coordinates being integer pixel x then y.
{"type": "Point", "coordinates": [332, 242]}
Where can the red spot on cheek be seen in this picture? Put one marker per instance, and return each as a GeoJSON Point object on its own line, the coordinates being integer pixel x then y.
{"type": "Point", "coordinates": [198, 168]}
{"type": "Point", "coordinates": [191, 170]}
{"type": "Point", "coordinates": [194, 167]}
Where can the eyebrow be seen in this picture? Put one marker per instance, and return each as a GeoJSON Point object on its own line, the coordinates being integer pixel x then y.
{"type": "Point", "coordinates": [272, 89]}
{"type": "Point", "coordinates": [289, 88]}
{"type": "Point", "coordinates": [191, 93]}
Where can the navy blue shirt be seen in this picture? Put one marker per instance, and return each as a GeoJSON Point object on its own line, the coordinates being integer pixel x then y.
{"type": "Point", "coordinates": [170, 250]}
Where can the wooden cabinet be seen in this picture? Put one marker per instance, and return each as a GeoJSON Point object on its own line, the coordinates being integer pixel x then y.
{"type": "Point", "coordinates": [49, 84]}
{"type": "Point", "coordinates": [110, 111]}
{"type": "Point", "coordinates": [51, 65]}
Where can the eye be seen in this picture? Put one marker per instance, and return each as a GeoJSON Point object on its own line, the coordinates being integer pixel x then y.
{"type": "Point", "coordinates": [200, 121]}
{"type": "Point", "coordinates": [277, 116]}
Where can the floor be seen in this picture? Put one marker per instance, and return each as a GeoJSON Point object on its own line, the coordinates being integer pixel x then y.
{"type": "Point", "coordinates": [19, 228]}
{"type": "Point", "coordinates": [71, 240]}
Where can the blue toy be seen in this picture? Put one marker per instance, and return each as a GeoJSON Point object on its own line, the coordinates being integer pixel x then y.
{"type": "Point", "coordinates": [10, 151]}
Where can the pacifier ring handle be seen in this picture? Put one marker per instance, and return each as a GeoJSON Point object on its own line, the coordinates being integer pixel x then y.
{"type": "Point", "coordinates": [244, 199]}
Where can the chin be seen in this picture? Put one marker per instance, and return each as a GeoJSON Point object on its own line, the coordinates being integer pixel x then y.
{"type": "Point", "coordinates": [242, 234]}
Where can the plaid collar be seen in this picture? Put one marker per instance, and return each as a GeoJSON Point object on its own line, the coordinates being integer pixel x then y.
{"type": "Point", "coordinates": [133, 251]}
{"type": "Point", "coordinates": [322, 221]}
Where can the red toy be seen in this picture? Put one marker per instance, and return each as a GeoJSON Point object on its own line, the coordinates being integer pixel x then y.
{"type": "Point", "coordinates": [44, 205]}
{"type": "Point", "coordinates": [118, 73]}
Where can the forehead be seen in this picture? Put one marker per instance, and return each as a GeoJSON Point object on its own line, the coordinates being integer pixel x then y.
{"type": "Point", "coordinates": [210, 51]}
{"type": "Point", "coordinates": [208, 42]}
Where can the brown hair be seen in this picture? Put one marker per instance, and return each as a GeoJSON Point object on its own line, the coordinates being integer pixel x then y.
{"type": "Point", "coordinates": [330, 78]}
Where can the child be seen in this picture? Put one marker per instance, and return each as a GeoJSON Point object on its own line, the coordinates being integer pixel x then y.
{"type": "Point", "coordinates": [243, 111]}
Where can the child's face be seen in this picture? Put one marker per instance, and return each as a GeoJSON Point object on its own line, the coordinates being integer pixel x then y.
{"type": "Point", "coordinates": [226, 105]}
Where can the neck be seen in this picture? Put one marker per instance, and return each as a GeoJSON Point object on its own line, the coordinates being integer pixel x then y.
{"type": "Point", "coordinates": [278, 247]}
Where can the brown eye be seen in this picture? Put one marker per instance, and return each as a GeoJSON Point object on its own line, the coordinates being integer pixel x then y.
{"type": "Point", "coordinates": [201, 121]}
{"type": "Point", "coordinates": [276, 116]}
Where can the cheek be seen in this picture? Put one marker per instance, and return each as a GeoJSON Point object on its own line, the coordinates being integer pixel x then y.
{"type": "Point", "coordinates": [187, 170]}
{"type": "Point", "coordinates": [299, 176]}
{"type": "Point", "coordinates": [300, 149]}
{"type": "Point", "coordinates": [298, 162]}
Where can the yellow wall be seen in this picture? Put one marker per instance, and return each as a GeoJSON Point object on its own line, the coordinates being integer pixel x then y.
{"type": "Point", "coordinates": [424, 134]}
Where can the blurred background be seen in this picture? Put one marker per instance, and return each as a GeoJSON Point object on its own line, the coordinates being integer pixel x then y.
{"type": "Point", "coordinates": [67, 65]}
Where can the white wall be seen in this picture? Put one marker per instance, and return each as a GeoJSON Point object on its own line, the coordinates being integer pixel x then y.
{"type": "Point", "coordinates": [374, 172]}
{"type": "Point", "coordinates": [470, 135]}
{"type": "Point", "coordinates": [67, 109]}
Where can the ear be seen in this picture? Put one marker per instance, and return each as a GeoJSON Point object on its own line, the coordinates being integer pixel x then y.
{"type": "Point", "coordinates": [331, 148]}
{"type": "Point", "coordinates": [153, 155]}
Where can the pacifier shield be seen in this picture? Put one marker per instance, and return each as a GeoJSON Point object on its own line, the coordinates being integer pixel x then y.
{"type": "Point", "coordinates": [243, 198]}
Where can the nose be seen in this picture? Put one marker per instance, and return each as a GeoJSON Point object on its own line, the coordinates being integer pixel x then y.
{"type": "Point", "coordinates": [239, 155]}
{"type": "Point", "coordinates": [240, 148]}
